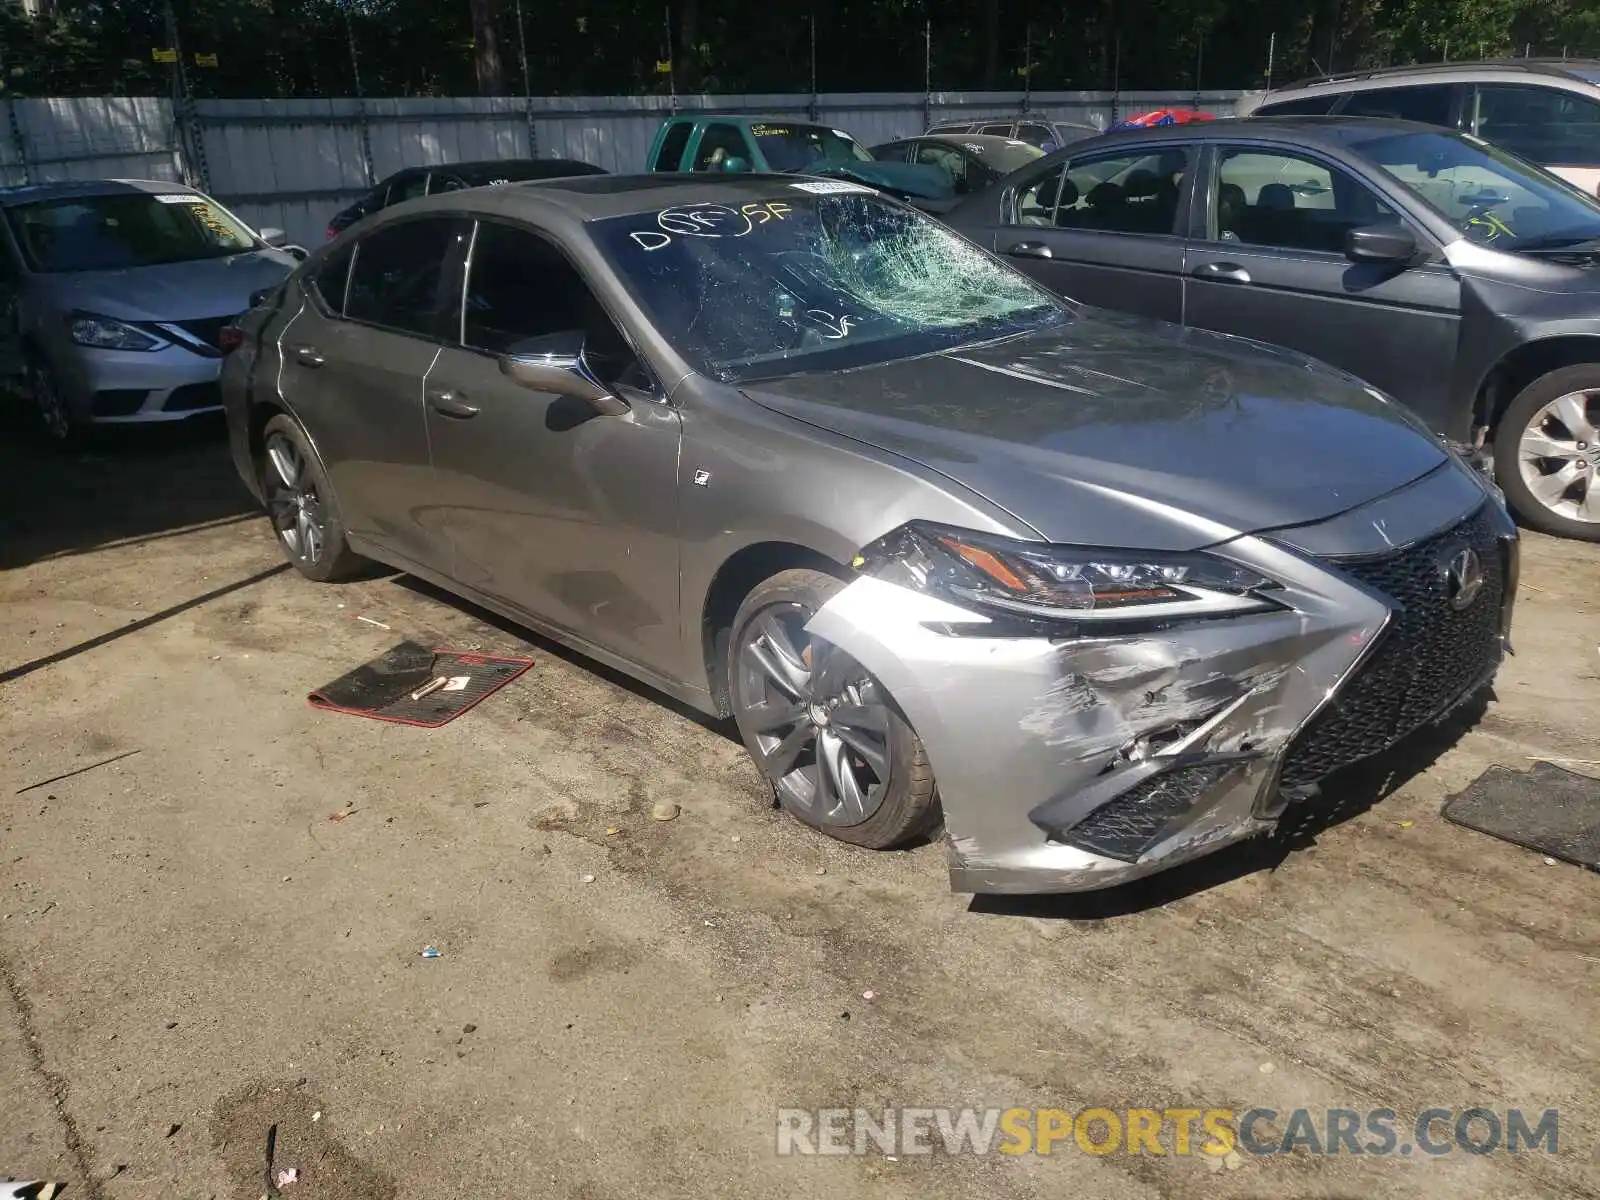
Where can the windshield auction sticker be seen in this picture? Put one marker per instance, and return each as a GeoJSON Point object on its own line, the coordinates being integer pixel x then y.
{"type": "Point", "coordinates": [830, 187]}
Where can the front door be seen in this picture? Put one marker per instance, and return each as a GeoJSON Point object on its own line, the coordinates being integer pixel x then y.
{"type": "Point", "coordinates": [565, 514]}
{"type": "Point", "coordinates": [1271, 266]}
{"type": "Point", "coordinates": [354, 362]}
{"type": "Point", "coordinates": [1105, 229]}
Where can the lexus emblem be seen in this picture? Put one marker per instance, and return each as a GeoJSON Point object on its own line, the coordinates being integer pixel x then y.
{"type": "Point", "coordinates": [1463, 578]}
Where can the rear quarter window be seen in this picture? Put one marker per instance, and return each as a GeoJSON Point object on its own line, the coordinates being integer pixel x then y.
{"type": "Point", "coordinates": [1306, 106]}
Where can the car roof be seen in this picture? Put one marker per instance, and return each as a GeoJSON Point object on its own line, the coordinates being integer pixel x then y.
{"type": "Point", "coordinates": [66, 189]}
{"type": "Point", "coordinates": [985, 141]}
{"type": "Point", "coordinates": [596, 197]}
{"type": "Point", "coordinates": [1302, 130]}
{"type": "Point", "coordinates": [1575, 69]}
{"type": "Point", "coordinates": [531, 167]}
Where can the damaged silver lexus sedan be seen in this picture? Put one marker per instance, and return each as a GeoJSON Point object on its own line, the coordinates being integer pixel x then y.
{"type": "Point", "coordinates": [1100, 594]}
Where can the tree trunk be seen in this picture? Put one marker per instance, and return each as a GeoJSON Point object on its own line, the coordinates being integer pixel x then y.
{"type": "Point", "coordinates": [687, 67]}
{"type": "Point", "coordinates": [486, 50]}
{"type": "Point", "coordinates": [991, 45]}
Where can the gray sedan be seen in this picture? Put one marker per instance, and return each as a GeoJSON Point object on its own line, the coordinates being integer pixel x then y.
{"type": "Point", "coordinates": [1103, 594]}
{"type": "Point", "coordinates": [114, 295]}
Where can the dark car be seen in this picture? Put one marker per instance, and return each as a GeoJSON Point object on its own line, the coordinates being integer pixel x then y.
{"type": "Point", "coordinates": [1450, 274]}
{"type": "Point", "coordinates": [1105, 593]}
{"type": "Point", "coordinates": [450, 177]}
{"type": "Point", "coordinates": [1041, 132]}
{"type": "Point", "coordinates": [972, 162]}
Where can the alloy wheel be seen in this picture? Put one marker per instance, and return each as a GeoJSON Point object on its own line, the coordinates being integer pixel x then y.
{"type": "Point", "coordinates": [297, 510]}
{"type": "Point", "coordinates": [51, 404]}
{"type": "Point", "coordinates": [819, 722]}
{"type": "Point", "coordinates": [1559, 454]}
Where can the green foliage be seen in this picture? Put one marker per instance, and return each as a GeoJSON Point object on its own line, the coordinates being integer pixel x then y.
{"type": "Point", "coordinates": [283, 48]}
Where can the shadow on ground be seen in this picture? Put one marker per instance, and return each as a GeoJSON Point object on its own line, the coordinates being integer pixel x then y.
{"type": "Point", "coordinates": [1345, 795]}
{"type": "Point", "coordinates": [132, 483]}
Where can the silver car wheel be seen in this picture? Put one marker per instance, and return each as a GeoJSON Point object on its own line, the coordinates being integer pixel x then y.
{"type": "Point", "coordinates": [52, 405]}
{"type": "Point", "coordinates": [818, 720]}
{"type": "Point", "coordinates": [1558, 455]}
{"type": "Point", "coordinates": [297, 511]}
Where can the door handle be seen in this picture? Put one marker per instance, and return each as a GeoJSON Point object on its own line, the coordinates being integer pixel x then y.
{"type": "Point", "coordinates": [1223, 272]}
{"type": "Point", "coordinates": [451, 404]}
{"type": "Point", "coordinates": [308, 356]}
{"type": "Point", "coordinates": [1029, 250]}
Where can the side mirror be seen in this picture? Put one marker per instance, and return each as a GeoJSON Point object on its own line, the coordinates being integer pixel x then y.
{"type": "Point", "coordinates": [555, 364]}
{"type": "Point", "coordinates": [1380, 244]}
{"type": "Point", "coordinates": [734, 163]}
{"type": "Point", "coordinates": [273, 236]}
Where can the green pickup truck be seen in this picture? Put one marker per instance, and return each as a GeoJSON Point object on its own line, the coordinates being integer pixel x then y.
{"type": "Point", "coordinates": [718, 142]}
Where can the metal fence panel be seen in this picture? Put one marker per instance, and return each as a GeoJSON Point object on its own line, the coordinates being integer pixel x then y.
{"type": "Point", "coordinates": [293, 163]}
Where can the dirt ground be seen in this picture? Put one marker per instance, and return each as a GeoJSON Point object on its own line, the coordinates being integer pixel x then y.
{"type": "Point", "coordinates": [194, 954]}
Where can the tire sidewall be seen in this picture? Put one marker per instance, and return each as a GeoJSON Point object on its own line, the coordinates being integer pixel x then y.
{"type": "Point", "coordinates": [900, 813]}
{"type": "Point", "coordinates": [335, 550]}
{"type": "Point", "coordinates": [1508, 437]}
{"type": "Point", "coordinates": [39, 372]}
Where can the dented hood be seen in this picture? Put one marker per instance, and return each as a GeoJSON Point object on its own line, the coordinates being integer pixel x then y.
{"type": "Point", "coordinates": [1114, 430]}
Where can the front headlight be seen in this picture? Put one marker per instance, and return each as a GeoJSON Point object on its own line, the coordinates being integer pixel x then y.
{"type": "Point", "coordinates": [107, 333]}
{"type": "Point", "coordinates": [1072, 583]}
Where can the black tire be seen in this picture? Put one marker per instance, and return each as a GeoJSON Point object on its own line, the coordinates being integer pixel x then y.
{"type": "Point", "coordinates": [332, 559]}
{"type": "Point", "coordinates": [908, 804]}
{"type": "Point", "coordinates": [51, 410]}
{"type": "Point", "coordinates": [1514, 423]}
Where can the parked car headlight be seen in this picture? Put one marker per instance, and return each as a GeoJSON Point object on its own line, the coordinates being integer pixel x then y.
{"type": "Point", "coordinates": [107, 333]}
{"type": "Point", "coordinates": [1073, 583]}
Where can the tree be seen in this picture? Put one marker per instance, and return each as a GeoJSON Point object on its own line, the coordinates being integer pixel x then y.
{"type": "Point", "coordinates": [486, 57]}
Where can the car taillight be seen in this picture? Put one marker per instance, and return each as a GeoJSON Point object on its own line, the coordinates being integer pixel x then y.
{"type": "Point", "coordinates": [230, 338]}
{"type": "Point", "coordinates": [330, 233]}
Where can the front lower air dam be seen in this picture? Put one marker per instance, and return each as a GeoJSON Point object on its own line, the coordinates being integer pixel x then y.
{"type": "Point", "coordinates": [1071, 763]}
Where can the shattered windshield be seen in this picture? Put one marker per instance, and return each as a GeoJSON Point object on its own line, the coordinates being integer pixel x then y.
{"type": "Point", "coordinates": [793, 148]}
{"type": "Point", "coordinates": [823, 277]}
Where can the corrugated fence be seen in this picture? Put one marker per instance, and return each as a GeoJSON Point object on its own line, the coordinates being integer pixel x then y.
{"type": "Point", "coordinates": [293, 163]}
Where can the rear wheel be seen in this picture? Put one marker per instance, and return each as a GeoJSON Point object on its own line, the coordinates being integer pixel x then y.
{"type": "Point", "coordinates": [1547, 453]}
{"type": "Point", "coordinates": [301, 501]}
{"type": "Point", "coordinates": [823, 732]}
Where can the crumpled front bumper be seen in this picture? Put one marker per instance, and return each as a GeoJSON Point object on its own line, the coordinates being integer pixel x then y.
{"type": "Point", "coordinates": [1158, 747]}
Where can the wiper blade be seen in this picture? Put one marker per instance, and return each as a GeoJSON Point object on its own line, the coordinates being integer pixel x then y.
{"type": "Point", "coordinates": [1575, 249]}
{"type": "Point", "coordinates": [1558, 241]}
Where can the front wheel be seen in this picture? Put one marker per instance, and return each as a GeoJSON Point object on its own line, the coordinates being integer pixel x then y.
{"type": "Point", "coordinates": [823, 732]}
{"type": "Point", "coordinates": [52, 409]}
{"type": "Point", "coordinates": [1547, 452]}
{"type": "Point", "coordinates": [301, 501]}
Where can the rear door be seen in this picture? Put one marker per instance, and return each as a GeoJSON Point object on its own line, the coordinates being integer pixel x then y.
{"type": "Point", "coordinates": [354, 362]}
{"type": "Point", "coordinates": [1107, 229]}
{"type": "Point", "coordinates": [1269, 263]}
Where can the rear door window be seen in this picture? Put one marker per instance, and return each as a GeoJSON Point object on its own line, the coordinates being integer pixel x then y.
{"type": "Point", "coordinates": [1306, 106]}
{"type": "Point", "coordinates": [398, 280]}
{"type": "Point", "coordinates": [670, 156]}
{"type": "Point", "coordinates": [1002, 130]}
{"type": "Point", "coordinates": [330, 279]}
{"type": "Point", "coordinates": [408, 187]}
{"type": "Point", "coordinates": [1430, 104]}
{"type": "Point", "coordinates": [1124, 191]}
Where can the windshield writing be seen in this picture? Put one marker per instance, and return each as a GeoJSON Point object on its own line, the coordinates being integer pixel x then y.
{"type": "Point", "coordinates": [817, 280]}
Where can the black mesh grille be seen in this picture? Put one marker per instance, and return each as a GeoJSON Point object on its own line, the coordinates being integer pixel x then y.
{"type": "Point", "coordinates": [207, 329]}
{"type": "Point", "coordinates": [192, 396]}
{"type": "Point", "coordinates": [118, 402]}
{"type": "Point", "coordinates": [1431, 657]}
{"type": "Point", "coordinates": [1130, 824]}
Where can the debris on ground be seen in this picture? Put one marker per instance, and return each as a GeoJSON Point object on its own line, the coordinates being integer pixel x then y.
{"type": "Point", "coordinates": [80, 770]}
{"type": "Point", "coordinates": [431, 952]}
{"type": "Point", "coordinates": [612, 831]}
{"type": "Point", "coordinates": [370, 621]}
{"type": "Point", "coordinates": [172, 1129]}
{"type": "Point", "coordinates": [869, 994]}
{"type": "Point", "coordinates": [586, 879]}
{"type": "Point", "coordinates": [287, 1176]}
{"type": "Point", "coordinates": [1267, 1068]}
{"type": "Point", "coordinates": [665, 810]}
